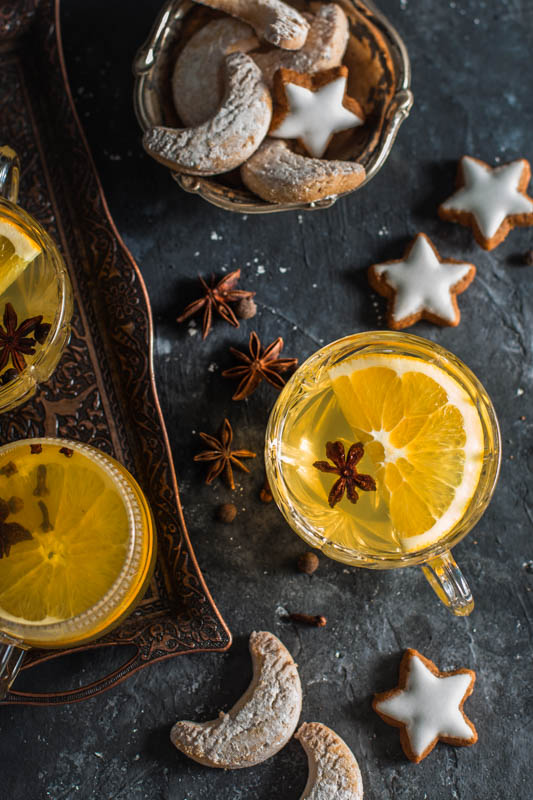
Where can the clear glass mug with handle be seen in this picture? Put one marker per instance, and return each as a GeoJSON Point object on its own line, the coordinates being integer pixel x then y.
{"type": "Point", "coordinates": [77, 547]}
{"type": "Point", "coordinates": [383, 451]}
{"type": "Point", "coordinates": [36, 300]}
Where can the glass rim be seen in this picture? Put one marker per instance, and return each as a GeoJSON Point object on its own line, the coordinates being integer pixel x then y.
{"type": "Point", "coordinates": [121, 584]}
{"type": "Point", "coordinates": [483, 493]}
{"type": "Point", "coordinates": [42, 366]}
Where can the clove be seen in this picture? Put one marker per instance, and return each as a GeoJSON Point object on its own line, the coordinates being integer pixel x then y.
{"type": "Point", "coordinates": [41, 489]}
{"type": "Point", "coordinates": [46, 525]}
{"type": "Point", "coordinates": [318, 621]}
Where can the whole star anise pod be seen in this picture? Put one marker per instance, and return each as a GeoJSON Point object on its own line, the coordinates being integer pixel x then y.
{"type": "Point", "coordinates": [346, 468]}
{"type": "Point", "coordinates": [14, 340]}
{"type": "Point", "coordinates": [260, 364]}
{"type": "Point", "coordinates": [222, 456]}
{"type": "Point", "coordinates": [217, 298]}
{"type": "Point", "coordinates": [10, 532]}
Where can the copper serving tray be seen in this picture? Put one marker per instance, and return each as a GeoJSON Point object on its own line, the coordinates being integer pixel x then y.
{"type": "Point", "coordinates": [381, 81]}
{"type": "Point", "coordinates": [103, 391]}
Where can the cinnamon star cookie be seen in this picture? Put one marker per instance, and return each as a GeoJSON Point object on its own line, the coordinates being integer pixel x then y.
{"type": "Point", "coordinates": [421, 285]}
{"type": "Point", "coordinates": [428, 706]}
{"type": "Point", "coordinates": [311, 108]}
{"type": "Point", "coordinates": [491, 200]}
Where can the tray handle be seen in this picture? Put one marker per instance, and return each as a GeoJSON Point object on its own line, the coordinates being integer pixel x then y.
{"type": "Point", "coordinates": [75, 695]}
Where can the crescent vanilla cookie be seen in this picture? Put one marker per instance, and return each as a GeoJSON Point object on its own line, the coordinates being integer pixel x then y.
{"type": "Point", "coordinates": [198, 77]}
{"type": "Point", "coordinates": [324, 47]}
{"type": "Point", "coordinates": [421, 285]}
{"type": "Point", "coordinates": [279, 175]}
{"type": "Point", "coordinates": [227, 139]}
{"type": "Point", "coordinates": [491, 200]}
{"type": "Point", "coordinates": [272, 20]}
{"type": "Point", "coordinates": [427, 705]}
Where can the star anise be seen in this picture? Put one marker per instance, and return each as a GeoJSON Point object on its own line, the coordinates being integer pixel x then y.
{"type": "Point", "coordinates": [260, 364]}
{"type": "Point", "coordinates": [217, 298]}
{"type": "Point", "coordinates": [222, 456]}
{"type": "Point", "coordinates": [10, 532]}
{"type": "Point", "coordinates": [14, 340]}
{"type": "Point", "coordinates": [346, 468]}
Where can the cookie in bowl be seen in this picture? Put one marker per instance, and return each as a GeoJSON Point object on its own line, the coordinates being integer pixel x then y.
{"type": "Point", "coordinates": [182, 87]}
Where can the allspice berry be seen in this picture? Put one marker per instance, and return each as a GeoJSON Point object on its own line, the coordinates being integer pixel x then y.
{"type": "Point", "coordinates": [308, 563]}
{"type": "Point", "coordinates": [265, 495]}
{"type": "Point", "coordinates": [246, 308]}
{"type": "Point", "coordinates": [227, 512]}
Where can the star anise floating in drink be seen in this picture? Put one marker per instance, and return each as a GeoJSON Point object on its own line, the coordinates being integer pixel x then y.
{"type": "Point", "coordinates": [16, 340]}
{"type": "Point", "coordinates": [222, 456]}
{"type": "Point", "coordinates": [260, 364]}
{"type": "Point", "coordinates": [217, 297]}
{"type": "Point", "coordinates": [346, 468]}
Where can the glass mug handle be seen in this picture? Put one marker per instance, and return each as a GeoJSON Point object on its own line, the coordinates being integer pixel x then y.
{"type": "Point", "coordinates": [12, 653]}
{"type": "Point", "coordinates": [449, 584]}
{"type": "Point", "coordinates": [9, 173]}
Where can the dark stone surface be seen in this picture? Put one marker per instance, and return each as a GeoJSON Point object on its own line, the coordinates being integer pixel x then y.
{"type": "Point", "coordinates": [472, 84]}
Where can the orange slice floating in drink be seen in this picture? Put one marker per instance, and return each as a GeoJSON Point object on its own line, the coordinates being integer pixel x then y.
{"type": "Point", "coordinates": [424, 435]}
{"type": "Point", "coordinates": [79, 539]}
{"type": "Point", "coordinates": [17, 250]}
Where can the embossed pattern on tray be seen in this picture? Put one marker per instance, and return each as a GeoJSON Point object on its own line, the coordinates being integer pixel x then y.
{"type": "Point", "coordinates": [103, 390]}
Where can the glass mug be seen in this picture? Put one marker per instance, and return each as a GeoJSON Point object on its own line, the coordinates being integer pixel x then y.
{"type": "Point", "coordinates": [422, 439]}
{"type": "Point", "coordinates": [43, 289]}
{"type": "Point", "coordinates": [77, 547]}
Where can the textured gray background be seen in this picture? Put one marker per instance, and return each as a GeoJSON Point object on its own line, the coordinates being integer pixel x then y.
{"type": "Point", "coordinates": [473, 93]}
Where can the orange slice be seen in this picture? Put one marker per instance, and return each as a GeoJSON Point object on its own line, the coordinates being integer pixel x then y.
{"type": "Point", "coordinates": [63, 572]}
{"type": "Point", "coordinates": [424, 435]}
{"type": "Point", "coordinates": [17, 250]}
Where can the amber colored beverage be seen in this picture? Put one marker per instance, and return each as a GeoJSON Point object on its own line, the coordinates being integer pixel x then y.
{"type": "Point", "coordinates": [383, 450]}
{"type": "Point", "coordinates": [77, 543]}
{"type": "Point", "coordinates": [36, 300]}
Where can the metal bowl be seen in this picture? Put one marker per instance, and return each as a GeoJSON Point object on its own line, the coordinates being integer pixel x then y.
{"type": "Point", "coordinates": [380, 77]}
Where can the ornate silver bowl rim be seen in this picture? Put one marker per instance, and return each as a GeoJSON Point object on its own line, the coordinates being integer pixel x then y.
{"type": "Point", "coordinates": [161, 41]}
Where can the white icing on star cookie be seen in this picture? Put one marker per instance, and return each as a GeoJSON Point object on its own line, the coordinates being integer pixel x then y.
{"type": "Point", "coordinates": [428, 705]}
{"type": "Point", "coordinates": [312, 108]}
{"type": "Point", "coordinates": [492, 200]}
{"type": "Point", "coordinates": [421, 285]}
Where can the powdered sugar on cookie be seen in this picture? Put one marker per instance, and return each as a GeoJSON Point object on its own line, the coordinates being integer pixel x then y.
{"type": "Point", "coordinates": [334, 773]}
{"type": "Point", "coordinates": [272, 20]}
{"type": "Point", "coordinates": [198, 78]}
{"type": "Point", "coordinates": [227, 139]}
{"type": "Point", "coordinates": [324, 47]}
{"type": "Point", "coordinates": [428, 706]}
{"type": "Point", "coordinates": [278, 175]}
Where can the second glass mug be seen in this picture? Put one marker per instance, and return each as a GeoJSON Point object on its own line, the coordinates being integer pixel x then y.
{"type": "Point", "coordinates": [43, 288]}
{"type": "Point", "coordinates": [289, 412]}
{"type": "Point", "coordinates": [77, 547]}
